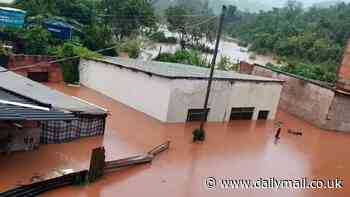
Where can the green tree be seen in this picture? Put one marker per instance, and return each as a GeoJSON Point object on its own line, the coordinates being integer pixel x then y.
{"type": "Point", "coordinates": [36, 40]}
{"type": "Point", "coordinates": [72, 51]}
{"type": "Point", "coordinates": [128, 16]}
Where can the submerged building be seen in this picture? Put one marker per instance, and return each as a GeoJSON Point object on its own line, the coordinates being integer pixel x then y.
{"type": "Point", "coordinates": [31, 113]}
{"type": "Point", "coordinates": [175, 93]}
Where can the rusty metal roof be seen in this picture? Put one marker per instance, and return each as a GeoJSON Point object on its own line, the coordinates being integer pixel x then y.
{"type": "Point", "coordinates": [17, 108]}
{"type": "Point", "coordinates": [43, 94]}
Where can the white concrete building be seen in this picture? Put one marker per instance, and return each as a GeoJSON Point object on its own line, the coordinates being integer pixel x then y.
{"type": "Point", "coordinates": [175, 92]}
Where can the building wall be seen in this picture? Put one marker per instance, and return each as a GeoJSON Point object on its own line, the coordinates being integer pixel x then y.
{"type": "Point", "coordinates": [190, 94]}
{"type": "Point", "coordinates": [19, 138]}
{"type": "Point", "coordinates": [169, 100]}
{"type": "Point", "coordinates": [302, 98]}
{"type": "Point", "coordinates": [54, 70]}
{"type": "Point", "coordinates": [145, 93]}
{"type": "Point", "coordinates": [338, 118]}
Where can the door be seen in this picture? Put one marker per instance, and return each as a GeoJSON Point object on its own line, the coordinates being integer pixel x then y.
{"type": "Point", "coordinates": [263, 115]}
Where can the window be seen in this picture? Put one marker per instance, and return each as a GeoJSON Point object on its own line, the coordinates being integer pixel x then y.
{"type": "Point", "coordinates": [263, 115]}
{"type": "Point", "coordinates": [197, 114]}
{"type": "Point", "coordinates": [39, 76]}
{"type": "Point", "coordinates": [242, 113]}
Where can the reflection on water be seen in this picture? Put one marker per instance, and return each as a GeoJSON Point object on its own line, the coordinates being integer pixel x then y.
{"type": "Point", "coordinates": [240, 149]}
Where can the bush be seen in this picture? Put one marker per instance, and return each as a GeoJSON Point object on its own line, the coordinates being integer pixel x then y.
{"type": "Point", "coordinates": [160, 37]}
{"type": "Point", "coordinates": [201, 47]}
{"type": "Point", "coordinates": [36, 40]}
{"type": "Point", "coordinates": [131, 46]}
{"type": "Point", "coordinates": [71, 67]}
{"type": "Point", "coordinates": [320, 72]}
{"type": "Point", "coordinates": [198, 135]}
{"type": "Point", "coordinates": [183, 57]}
{"type": "Point", "coordinates": [225, 63]}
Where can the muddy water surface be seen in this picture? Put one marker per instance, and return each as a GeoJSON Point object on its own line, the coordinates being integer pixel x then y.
{"type": "Point", "coordinates": [241, 149]}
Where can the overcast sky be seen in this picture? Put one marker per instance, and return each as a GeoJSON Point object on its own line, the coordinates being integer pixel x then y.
{"type": "Point", "coordinates": [305, 2]}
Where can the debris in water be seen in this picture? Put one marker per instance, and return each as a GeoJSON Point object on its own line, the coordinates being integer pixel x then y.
{"type": "Point", "coordinates": [277, 136]}
{"type": "Point", "coordinates": [293, 132]}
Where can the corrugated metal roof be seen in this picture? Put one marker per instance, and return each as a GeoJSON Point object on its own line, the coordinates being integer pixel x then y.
{"type": "Point", "coordinates": [16, 112]}
{"type": "Point", "coordinates": [43, 94]}
{"type": "Point", "coordinates": [181, 71]}
{"type": "Point", "coordinates": [12, 9]}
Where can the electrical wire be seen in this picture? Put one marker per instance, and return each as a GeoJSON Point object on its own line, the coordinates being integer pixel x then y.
{"type": "Point", "coordinates": [100, 50]}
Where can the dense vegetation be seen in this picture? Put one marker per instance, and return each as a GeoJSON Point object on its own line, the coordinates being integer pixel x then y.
{"type": "Point", "coordinates": [310, 41]}
{"type": "Point", "coordinates": [97, 25]}
{"type": "Point", "coordinates": [193, 21]}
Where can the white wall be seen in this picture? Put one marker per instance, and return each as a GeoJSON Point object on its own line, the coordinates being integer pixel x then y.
{"type": "Point", "coordinates": [262, 96]}
{"type": "Point", "coordinates": [148, 94]}
{"type": "Point", "coordinates": [169, 100]}
{"type": "Point", "coordinates": [188, 94]}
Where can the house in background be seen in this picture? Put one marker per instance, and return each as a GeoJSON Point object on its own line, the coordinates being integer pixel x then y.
{"type": "Point", "coordinates": [175, 93]}
{"type": "Point", "coordinates": [46, 114]}
{"type": "Point", "coordinates": [12, 17]}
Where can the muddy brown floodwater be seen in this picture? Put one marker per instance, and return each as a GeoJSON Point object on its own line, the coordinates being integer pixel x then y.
{"type": "Point", "coordinates": [240, 149]}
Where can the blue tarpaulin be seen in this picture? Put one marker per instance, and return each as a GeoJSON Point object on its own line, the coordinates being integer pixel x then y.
{"type": "Point", "coordinates": [59, 29]}
{"type": "Point", "coordinates": [11, 17]}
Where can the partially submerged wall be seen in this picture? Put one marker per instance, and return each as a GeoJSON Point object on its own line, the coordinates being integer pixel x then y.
{"type": "Point", "coordinates": [145, 93]}
{"type": "Point", "coordinates": [303, 98]}
{"type": "Point", "coordinates": [339, 114]}
{"type": "Point", "coordinates": [190, 94]}
{"type": "Point", "coordinates": [15, 139]}
{"type": "Point", "coordinates": [54, 70]}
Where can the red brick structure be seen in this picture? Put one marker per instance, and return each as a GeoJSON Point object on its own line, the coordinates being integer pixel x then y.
{"type": "Point", "coordinates": [343, 82]}
{"type": "Point", "coordinates": [245, 68]}
{"type": "Point", "coordinates": [43, 72]}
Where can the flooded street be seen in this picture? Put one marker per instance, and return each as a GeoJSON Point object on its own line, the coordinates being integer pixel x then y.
{"type": "Point", "coordinates": [240, 149]}
{"type": "Point", "coordinates": [228, 48]}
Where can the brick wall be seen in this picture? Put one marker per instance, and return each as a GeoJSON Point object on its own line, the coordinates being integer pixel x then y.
{"type": "Point", "coordinates": [54, 70]}
{"type": "Point", "coordinates": [245, 68]}
{"type": "Point", "coordinates": [302, 98]}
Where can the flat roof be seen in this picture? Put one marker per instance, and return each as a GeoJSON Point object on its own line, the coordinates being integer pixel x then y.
{"type": "Point", "coordinates": [21, 85]}
{"type": "Point", "coordinates": [180, 71]}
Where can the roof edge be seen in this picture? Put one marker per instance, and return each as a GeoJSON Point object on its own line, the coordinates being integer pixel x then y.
{"type": "Point", "coordinates": [182, 77]}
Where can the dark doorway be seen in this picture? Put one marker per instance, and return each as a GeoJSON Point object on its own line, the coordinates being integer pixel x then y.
{"type": "Point", "coordinates": [39, 76]}
{"type": "Point", "coordinates": [263, 115]}
{"type": "Point", "coordinates": [195, 115]}
{"type": "Point", "coordinates": [242, 113]}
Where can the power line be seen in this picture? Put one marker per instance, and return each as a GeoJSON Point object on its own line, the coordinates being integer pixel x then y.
{"type": "Point", "coordinates": [55, 61]}
{"type": "Point", "coordinates": [100, 50]}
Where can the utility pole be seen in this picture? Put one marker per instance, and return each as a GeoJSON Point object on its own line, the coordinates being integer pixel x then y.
{"type": "Point", "coordinates": [213, 63]}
